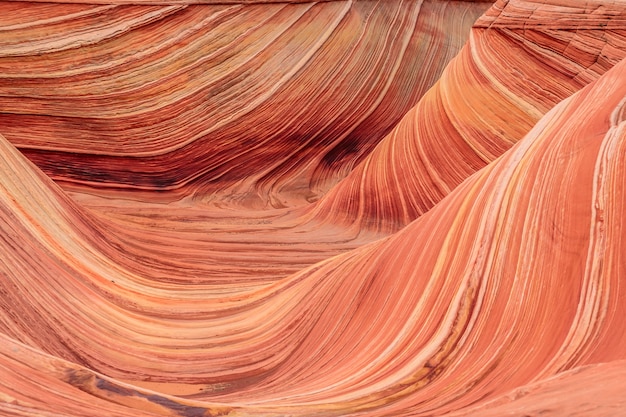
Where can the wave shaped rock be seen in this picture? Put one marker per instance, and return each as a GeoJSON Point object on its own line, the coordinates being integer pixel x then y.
{"type": "Point", "coordinates": [522, 58]}
{"type": "Point", "coordinates": [265, 102]}
{"type": "Point", "coordinates": [495, 290]}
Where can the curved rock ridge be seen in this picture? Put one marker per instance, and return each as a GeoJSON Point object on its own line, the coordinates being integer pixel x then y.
{"type": "Point", "coordinates": [269, 104]}
{"type": "Point", "coordinates": [512, 279]}
{"type": "Point", "coordinates": [176, 272]}
{"type": "Point", "coordinates": [522, 58]}
{"type": "Point", "coordinates": [471, 264]}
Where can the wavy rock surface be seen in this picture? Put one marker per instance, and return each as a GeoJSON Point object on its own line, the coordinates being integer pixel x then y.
{"type": "Point", "coordinates": [541, 227]}
{"type": "Point", "coordinates": [522, 58]}
{"type": "Point", "coordinates": [501, 296]}
{"type": "Point", "coordinates": [266, 103]}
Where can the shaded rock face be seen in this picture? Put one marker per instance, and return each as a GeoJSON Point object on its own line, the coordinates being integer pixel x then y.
{"type": "Point", "coordinates": [312, 209]}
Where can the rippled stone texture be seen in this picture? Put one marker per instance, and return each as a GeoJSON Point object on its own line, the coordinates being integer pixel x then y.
{"type": "Point", "coordinates": [522, 58]}
{"type": "Point", "coordinates": [269, 104]}
{"type": "Point", "coordinates": [469, 263]}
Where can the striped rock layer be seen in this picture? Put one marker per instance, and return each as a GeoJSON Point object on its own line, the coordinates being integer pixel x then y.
{"type": "Point", "coordinates": [470, 263]}
{"type": "Point", "coordinates": [522, 58]}
{"type": "Point", "coordinates": [269, 104]}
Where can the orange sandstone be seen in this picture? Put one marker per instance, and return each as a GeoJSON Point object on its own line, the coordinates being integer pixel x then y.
{"type": "Point", "coordinates": [471, 263]}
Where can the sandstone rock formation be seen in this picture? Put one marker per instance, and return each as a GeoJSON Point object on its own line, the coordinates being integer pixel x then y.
{"type": "Point", "coordinates": [522, 58]}
{"type": "Point", "coordinates": [157, 97]}
{"type": "Point", "coordinates": [163, 250]}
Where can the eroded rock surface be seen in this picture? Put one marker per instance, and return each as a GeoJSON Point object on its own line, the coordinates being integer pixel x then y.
{"type": "Point", "coordinates": [293, 209]}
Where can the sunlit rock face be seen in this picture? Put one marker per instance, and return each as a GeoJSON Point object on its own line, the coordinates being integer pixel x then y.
{"type": "Point", "coordinates": [312, 209]}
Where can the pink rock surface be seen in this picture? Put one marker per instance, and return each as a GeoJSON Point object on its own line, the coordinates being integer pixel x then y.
{"type": "Point", "coordinates": [471, 262]}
